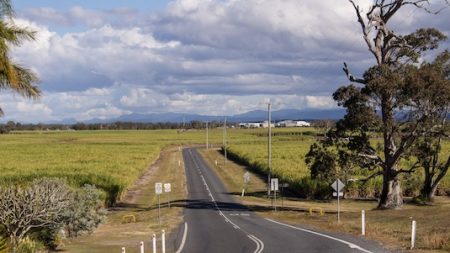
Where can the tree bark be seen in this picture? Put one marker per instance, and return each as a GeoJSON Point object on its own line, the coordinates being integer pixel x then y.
{"type": "Point", "coordinates": [391, 195]}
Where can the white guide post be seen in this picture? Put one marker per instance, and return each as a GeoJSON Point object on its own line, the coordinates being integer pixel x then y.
{"type": "Point", "coordinates": [413, 234]}
{"type": "Point", "coordinates": [163, 242]}
{"type": "Point", "coordinates": [363, 222]}
{"type": "Point", "coordinates": [142, 247]}
{"type": "Point", "coordinates": [123, 249]}
{"type": "Point", "coordinates": [154, 243]}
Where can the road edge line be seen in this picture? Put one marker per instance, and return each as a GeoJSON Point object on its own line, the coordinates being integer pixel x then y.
{"type": "Point", "coordinates": [351, 245]}
{"type": "Point", "coordinates": [183, 241]}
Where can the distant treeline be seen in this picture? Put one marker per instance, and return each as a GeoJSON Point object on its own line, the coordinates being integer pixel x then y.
{"type": "Point", "coordinates": [16, 126]}
{"type": "Point", "coordinates": [13, 126]}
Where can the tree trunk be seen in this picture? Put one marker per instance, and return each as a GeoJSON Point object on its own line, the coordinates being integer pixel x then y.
{"type": "Point", "coordinates": [391, 195]}
{"type": "Point", "coordinates": [431, 182]}
{"type": "Point", "coordinates": [427, 191]}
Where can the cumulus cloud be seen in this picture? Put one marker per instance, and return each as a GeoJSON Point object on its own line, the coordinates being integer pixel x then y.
{"type": "Point", "coordinates": [199, 56]}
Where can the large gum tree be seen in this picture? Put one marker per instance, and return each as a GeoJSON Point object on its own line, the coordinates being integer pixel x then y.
{"type": "Point", "coordinates": [375, 102]}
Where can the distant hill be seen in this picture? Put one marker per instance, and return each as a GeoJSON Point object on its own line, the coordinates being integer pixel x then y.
{"type": "Point", "coordinates": [258, 115]}
{"type": "Point", "coordinates": [252, 116]}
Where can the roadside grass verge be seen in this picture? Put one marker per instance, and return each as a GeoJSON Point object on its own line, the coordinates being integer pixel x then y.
{"type": "Point", "coordinates": [392, 228]}
{"type": "Point", "coordinates": [141, 203]}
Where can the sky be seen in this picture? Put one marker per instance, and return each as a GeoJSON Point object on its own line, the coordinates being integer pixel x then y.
{"type": "Point", "coordinates": [107, 58]}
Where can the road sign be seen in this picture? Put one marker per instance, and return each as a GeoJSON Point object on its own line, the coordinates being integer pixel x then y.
{"type": "Point", "coordinates": [167, 187]}
{"type": "Point", "coordinates": [246, 177]}
{"type": "Point", "coordinates": [338, 185]}
{"type": "Point", "coordinates": [158, 188]}
{"type": "Point", "coordinates": [274, 184]}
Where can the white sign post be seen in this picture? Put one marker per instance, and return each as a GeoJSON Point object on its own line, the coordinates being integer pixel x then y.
{"type": "Point", "coordinates": [338, 186]}
{"type": "Point", "coordinates": [158, 191]}
{"type": "Point", "coordinates": [284, 185]}
{"type": "Point", "coordinates": [274, 188]}
{"type": "Point", "coordinates": [413, 234]}
{"type": "Point", "coordinates": [167, 189]}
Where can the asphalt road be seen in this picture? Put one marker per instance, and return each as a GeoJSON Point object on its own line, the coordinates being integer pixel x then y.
{"type": "Point", "coordinates": [218, 223]}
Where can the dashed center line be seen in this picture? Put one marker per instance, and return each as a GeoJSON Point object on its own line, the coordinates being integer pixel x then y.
{"type": "Point", "coordinates": [256, 240]}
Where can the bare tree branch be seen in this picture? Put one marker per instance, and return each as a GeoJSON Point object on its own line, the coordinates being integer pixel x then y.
{"type": "Point", "coordinates": [351, 77]}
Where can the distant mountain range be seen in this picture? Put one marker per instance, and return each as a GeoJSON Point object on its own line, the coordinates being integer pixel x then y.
{"type": "Point", "coordinates": [258, 115]}
{"type": "Point", "coordinates": [252, 116]}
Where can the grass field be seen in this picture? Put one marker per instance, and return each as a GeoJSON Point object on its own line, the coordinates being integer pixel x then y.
{"type": "Point", "coordinates": [113, 160]}
{"type": "Point", "coordinates": [289, 147]}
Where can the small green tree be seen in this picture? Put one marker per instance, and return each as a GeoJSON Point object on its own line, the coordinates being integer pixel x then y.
{"type": "Point", "coordinates": [431, 93]}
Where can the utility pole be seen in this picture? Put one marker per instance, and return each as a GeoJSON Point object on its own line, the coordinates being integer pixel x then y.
{"type": "Point", "coordinates": [269, 147]}
{"type": "Point", "coordinates": [207, 141]}
{"type": "Point", "coordinates": [225, 140]}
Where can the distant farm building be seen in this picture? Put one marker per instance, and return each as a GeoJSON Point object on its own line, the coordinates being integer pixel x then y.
{"type": "Point", "coordinates": [284, 123]}
{"type": "Point", "coordinates": [250, 125]}
{"type": "Point", "coordinates": [265, 124]}
{"type": "Point", "coordinates": [293, 123]}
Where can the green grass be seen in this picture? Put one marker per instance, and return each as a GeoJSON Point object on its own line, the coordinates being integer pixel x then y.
{"type": "Point", "coordinates": [289, 147]}
{"type": "Point", "coordinates": [113, 160]}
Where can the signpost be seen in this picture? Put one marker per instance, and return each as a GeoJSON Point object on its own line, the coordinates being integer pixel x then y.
{"type": "Point", "coordinates": [158, 191]}
{"type": "Point", "coordinates": [337, 187]}
{"type": "Point", "coordinates": [167, 189]}
{"type": "Point", "coordinates": [274, 188]}
{"type": "Point", "coordinates": [283, 185]}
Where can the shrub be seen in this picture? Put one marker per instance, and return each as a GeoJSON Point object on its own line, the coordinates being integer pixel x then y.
{"type": "Point", "coordinates": [86, 212]}
{"type": "Point", "coordinates": [28, 245]}
{"type": "Point", "coordinates": [44, 208]}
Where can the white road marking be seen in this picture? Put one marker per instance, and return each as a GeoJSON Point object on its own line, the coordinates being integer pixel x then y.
{"type": "Point", "coordinates": [183, 241]}
{"type": "Point", "coordinates": [259, 243]}
{"type": "Point", "coordinates": [351, 245]}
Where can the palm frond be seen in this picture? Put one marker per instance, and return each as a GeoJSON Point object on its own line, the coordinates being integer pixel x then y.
{"type": "Point", "coordinates": [20, 80]}
{"type": "Point", "coordinates": [12, 76]}
{"type": "Point", "coordinates": [6, 9]}
{"type": "Point", "coordinates": [15, 35]}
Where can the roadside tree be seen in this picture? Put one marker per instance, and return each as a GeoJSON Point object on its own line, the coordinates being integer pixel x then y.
{"type": "Point", "coordinates": [374, 101]}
